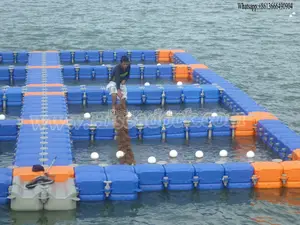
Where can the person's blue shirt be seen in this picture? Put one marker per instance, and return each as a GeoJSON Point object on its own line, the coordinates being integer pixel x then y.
{"type": "Point", "coordinates": [118, 75]}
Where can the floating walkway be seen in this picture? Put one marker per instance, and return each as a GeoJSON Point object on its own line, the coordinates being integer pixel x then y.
{"type": "Point", "coordinates": [37, 143]}
{"type": "Point", "coordinates": [45, 99]}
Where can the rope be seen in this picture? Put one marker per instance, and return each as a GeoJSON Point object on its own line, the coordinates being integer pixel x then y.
{"type": "Point", "coordinates": [123, 138]}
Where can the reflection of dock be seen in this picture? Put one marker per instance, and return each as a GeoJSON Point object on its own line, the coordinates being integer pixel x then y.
{"type": "Point", "coordinates": [43, 217]}
{"type": "Point", "coordinates": [279, 196]}
{"type": "Point", "coordinates": [123, 138]}
{"type": "Point", "coordinates": [289, 197]}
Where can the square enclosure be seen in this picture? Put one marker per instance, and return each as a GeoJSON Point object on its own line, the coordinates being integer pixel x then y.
{"type": "Point", "coordinates": [174, 102]}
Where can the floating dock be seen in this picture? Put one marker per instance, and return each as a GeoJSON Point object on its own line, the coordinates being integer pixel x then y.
{"type": "Point", "coordinates": [45, 131]}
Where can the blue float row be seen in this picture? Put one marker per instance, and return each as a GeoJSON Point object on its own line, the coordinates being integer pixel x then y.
{"type": "Point", "coordinates": [107, 56]}
{"type": "Point", "coordinates": [207, 76]}
{"type": "Point", "coordinates": [121, 182]}
{"type": "Point", "coordinates": [5, 182]}
{"type": "Point", "coordinates": [12, 96]}
{"type": "Point", "coordinates": [39, 144]}
{"type": "Point", "coordinates": [184, 58]}
{"type": "Point", "coordinates": [105, 71]}
{"type": "Point", "coordinates": [279, 137]}
{"type": "Point", "coordinates": [13, 72]}
{"type": "Point", "coordinates": [153, 94]}
{"type": "Point", "coordinates": [36, 76]}
{"type": "Point", "coordinates": [36, 106]}
{"type": "Point", "coordinates": [8, 130]}
{"type": "Point", "coordinates": [166, 128]}
{"type": "Point", "coordinates": [104, 130]}
{"type": "Point", "coordinates": [32, 76]}
{"type": "Point", "coordinates": [232, 97]}
{"type": "Point", "coordinates": [87, 72]}
{"type": "Point", "coordinates": [43, 58]}
{"type": "Point", "coordinates": [239, 102]}
{"type": "Point", "coordinates": [14, 57]}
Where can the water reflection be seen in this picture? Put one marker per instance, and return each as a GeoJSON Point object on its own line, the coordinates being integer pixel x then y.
{"type": "Point", "coordinates": [289, 196]}
{"type": "Point", "coordinates": [201, 201]}
{"type": "Point", "coordinates": [42, 218]}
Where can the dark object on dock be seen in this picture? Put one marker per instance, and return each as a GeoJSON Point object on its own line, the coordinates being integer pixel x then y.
{"type": "Point", "coordinates": [123, 138]}
{"type": "Point", "coordinates": [38, 168]}
{"type": "Point", "coordinates": [42, 180]}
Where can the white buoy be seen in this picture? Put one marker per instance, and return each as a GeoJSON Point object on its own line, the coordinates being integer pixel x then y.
{"type": "Point", "coordinates": [293, 13]}
{"type": "Point", "coordinates": [223, 153]}
{"type": "Point", "coordinates": [173, 153]}
{"type": "Point", "coordinates": [151, 159]}
{"type": "Point", "coordinates": [214, 114]}
{"type": "Point", "coordinates": [119, 154]}
{"type": "Point", "coordinates": [250, 154]}
{"type": "Point", "coordinates": [2, 117]}
{"type": "Point", "coordinates": [129, 115]}
{"type": "Point", "coordinates": [179, 83]}
{"type": "Point", "coordinates": [94, 155]}
{"type": "Point", "coordinates": [169, 113]}
{"type": "Point", "coordinates": [147, 84]}
{"type": "Point", "coordinates": [87, 116]}
{"type": "Point", "coordinates": [158, 64]}
{"type": "Point", "coordinates": [199, 154]}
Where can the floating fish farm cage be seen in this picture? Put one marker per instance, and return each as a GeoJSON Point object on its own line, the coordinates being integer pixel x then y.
{"type": "Point", "coordinates": [45, 132]}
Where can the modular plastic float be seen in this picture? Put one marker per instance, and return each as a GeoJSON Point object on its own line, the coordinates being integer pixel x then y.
{"type": "Point", "coordinates": [45, 95]}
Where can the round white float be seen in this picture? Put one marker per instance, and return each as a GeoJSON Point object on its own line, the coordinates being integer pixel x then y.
{"type": "Point", "coordinates": [151, 159]}
{"type": "Point", "coordinates": [2, 117]}
{"type": "Point", "coordinates": [87, 116]}
{"type": "Point", "coordinates": [119, 154]}
{"type": "Point", "coordinates": [129, 115]}
{"type": "Point", "coordinates": [173, 153]}
{"type": "Point", "coordinates": [223, 153]}
{"type": "Point", "coordinates": [179, 83]}
{"type": "Point", "coordinates": [94, 155]}
{"type": "Point", "coordinates": [250, 154]}
{"type": "Point", "coordinates": [199, 154]}
{"type": "Point", "coordinates": [169, 113]}
{"type": "Point", "coordinates": [214, 114]}
{"type": "Point", "coordinates": [147, 84]}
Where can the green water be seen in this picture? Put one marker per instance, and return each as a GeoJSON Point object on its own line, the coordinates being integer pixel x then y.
{"type": "Point", "coordinates": [257, 51]}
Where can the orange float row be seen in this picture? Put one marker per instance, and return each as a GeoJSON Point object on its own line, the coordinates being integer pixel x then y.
{"type": "Point", "coordinates": [246, 125]}
{"type": "Point", "coordinates": [276, 174]}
